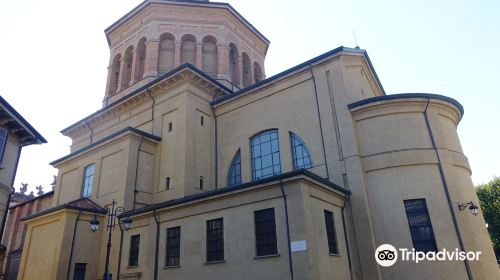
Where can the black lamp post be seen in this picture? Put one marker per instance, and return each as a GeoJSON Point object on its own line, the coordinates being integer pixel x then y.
{"type": "Point", "coordinates": [94, 225]}
{"type": "Point", "coordinates": [472, 207]}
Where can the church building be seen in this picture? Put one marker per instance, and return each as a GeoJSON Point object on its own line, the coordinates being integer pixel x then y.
{"type": "Point", "coordinates": [215, 171]}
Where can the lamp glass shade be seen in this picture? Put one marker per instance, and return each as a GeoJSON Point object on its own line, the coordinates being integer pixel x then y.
{"type": "Point", "coordinates": [473, 209]}
{"type": "Point", "coordinates": [94, 224]}
{"type": "Point", "coordinates": [127, 222]}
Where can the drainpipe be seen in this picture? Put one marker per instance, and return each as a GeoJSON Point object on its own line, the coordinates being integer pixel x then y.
{"type": "Point", "coordinates": [216, 142]}
{"type": "Point", "coordinates": [290, 262]}
{"type": "Point", "coordinates": [346, 197]}
{"type": "Point", "coordinates": [319, 119]}
{"type": "Point", "coordinates": [157, 248]}
{"type": "Point", "coordinates": [136, 171]}
{"type": "Point", "coordinates": [72, 245]}
{"type": "Point", "coordinates": [446, 190]}
{"type": "Point", "coordinates": [120, 251]}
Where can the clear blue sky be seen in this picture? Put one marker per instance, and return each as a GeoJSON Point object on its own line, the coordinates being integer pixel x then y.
{"type": "Point", "coordinates": [54, 53]}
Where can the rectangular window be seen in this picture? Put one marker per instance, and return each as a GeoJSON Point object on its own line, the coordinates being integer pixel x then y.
{"type": "Point", "coordinates": [419, 221]}
{"type": "Point", "coordinates": [215, 240]}
{"type": "Point", "coordinates": [330, 233]}
{"type": "Point", "coordinates": [133, 259]}
{"type": "Point", "coordinates": [201, 184]}
{"type": "Point", "coordinates": [167, 183]}
{"type": "Point", "coordinates": [169, 127]}
{"type": "Point", "coordinates": [202, 121]}
{"type": "Point", "coordinates": [3, 143]}
{"type": "Point", "coordinates": [265, 232]}
{"type": "Point", "coordinates": [173, 246]}
{"type": "Point", "coordinates": [79, 273]}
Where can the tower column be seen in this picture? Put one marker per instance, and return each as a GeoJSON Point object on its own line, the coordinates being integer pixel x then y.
{"type": "Point", "coordinates": [121, 76]}
{"type": "Point", "coordinates": [177, 53]}
{"type": "Point", "coordinates": [199, 56]}
{"type": "Point", "coordinates": [133, 68]}
{"type": "Point", "coordinates": [252, 73]}
{"type": "Point", "coordinates": [240, 72]}
{"type": "Point", "coordinates": [223, 61]}
{"type": "Point", "coordinates": [151, 63]}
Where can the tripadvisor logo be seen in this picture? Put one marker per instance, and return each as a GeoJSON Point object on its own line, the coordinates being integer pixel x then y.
{"type": "Point", "coordinates": [387, 255]}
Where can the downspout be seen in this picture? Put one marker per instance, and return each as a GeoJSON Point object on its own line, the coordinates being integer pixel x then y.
{"type": "Point", "coordinates": [73, 244]}
{"type": "Point", "coordinates": [136, 171]}
{"type": "Point", "coordinates": [152, 111]}
{"type": "Point", "coordinates": [13, 190]}
{"type": "Point", "coordinates": [91, 132]}
{"type": "Point", "coordinates": [290, 262]}
{"type": "Point", "coordinates": [346, 197]}
{"type": "Point", "coordinates": [319, 119]}
{"type": "Point", "coordinates": [216, 143]}
{"type": "Point", "coordinates": [445, 186]}
{"type": "Point", "coordinates": [157, 248]}
{"type": "Point", "coordinates": [120, 251]}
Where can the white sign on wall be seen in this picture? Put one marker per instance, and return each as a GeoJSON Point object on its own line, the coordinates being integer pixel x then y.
{"type": "Point", "coordinates": [299, 246]}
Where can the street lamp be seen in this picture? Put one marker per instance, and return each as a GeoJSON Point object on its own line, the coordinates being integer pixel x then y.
{"type": "Point", "coordinates": [94, 226]}
{"type": "Point", "coordinates": [472, 207]}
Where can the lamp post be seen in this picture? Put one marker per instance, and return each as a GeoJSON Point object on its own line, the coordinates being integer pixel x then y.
{"type": "Point", "coordinates": [472, 207]}
{"type": "Point", "coordinates": [94, 225]}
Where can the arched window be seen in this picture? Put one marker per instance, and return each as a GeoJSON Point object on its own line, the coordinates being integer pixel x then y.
{"type": "Point", "coordinates": [210, 63]}
{"type": "Point", "coordinates": [265, 154]}
{"type": "Point", "coordinates": [257, 72]}
{"type": "Point", "coordinates": [115, 73]}
{"type": "Point", "coordinates": [234, 174]}
{"type": "Point", "coordinates": [166, 53]}
{"type": "Point", "coordinates": [247, 70]}
{"type": "Point", "coordinates": [88, 180]}
{"type": "Point", "coordinates": [300, 154]}
{"type": "Point", "coordinates": [234, 64]}
{"type": "Point", "coordinates": [188, 49]}
{"type": "Point", "coordinates": [140, 59]}
{"type": "Point", "coordinates": [127, 70]}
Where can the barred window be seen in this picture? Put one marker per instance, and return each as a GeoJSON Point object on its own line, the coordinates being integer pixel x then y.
{"type": "Point", "coordinates": [173, 246]}
{"type": "Point", "coordinates": [133, 259]}
{"type": "Point", "coordinates": [331, 234]}
{"type": "Point", "coordinates": [419, 221]}
{"type": "Point", "coordinates": [215, 240]}
{"type": "Point", "coordinates": [265, 232]}
{"type": "Point", "coordinates": [88, 180]}
{"type": "Point", "coordinates": [300, 153]}
{"type": "Point", "coordinates": [234, 175]}
{"type": "Point", "coordinates": [265, 154]}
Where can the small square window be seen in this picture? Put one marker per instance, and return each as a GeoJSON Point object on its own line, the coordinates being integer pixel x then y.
{"type": "Point", "coordinates": [201, 183]}
{"type": "Point", "coordinates": [167, 183]}
{"type": "Point", "coordinates": [202, 120]}
{"type": "Point", "coordinates": [169, 127]}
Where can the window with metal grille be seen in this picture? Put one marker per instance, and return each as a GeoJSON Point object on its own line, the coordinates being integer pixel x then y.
{"type": "Point", "coordinates": [173, 246]}
{"type": "Point", "coordinates": [331, 234]}
{"type": "Point", "coordinates": [79, 271]}
{"type": "Point", "coordinates": [133, 258]}
{"type": "Point", "coordinates": [234, 175]}
{"type": "Point", "coordinates": [300, 154]}
{"type": "Point", "coordinates": [265, 154]}
{"type": "Point", "coordinates": [215, 240]}
{"type": "Point", "coordinates": [265, 232]}
{"type": "Point", "coordinates": [3, 142]}
{"type": "Point", "coordinates": [419, 221]}
{"type": "Point", "coordinates": [88, 180]}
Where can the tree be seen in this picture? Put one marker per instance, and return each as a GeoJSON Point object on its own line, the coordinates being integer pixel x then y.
{"type": "Point", "coordinates": [489, 198]}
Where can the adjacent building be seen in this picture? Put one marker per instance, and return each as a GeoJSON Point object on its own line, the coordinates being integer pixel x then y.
{"type": "Point", "coordinates": [15, 133]}
{"type": "Point", "coordinates": [226, 173]}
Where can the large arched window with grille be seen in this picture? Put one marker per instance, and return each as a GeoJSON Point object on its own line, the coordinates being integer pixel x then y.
{"type": "Point", "coordinates": [234, 174]}
{"type": "Point", "coordinates": [300, 154]}
{"type": "Point", "coordinates": [88, 180]}
{"type": "Point", "coordinates": [265, 154]}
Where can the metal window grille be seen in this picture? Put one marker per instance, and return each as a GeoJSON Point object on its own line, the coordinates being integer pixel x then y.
{"type": "Point", "coordinates": [173, 246]}
{"type": "Point", "coordinates": [79, 271]}
{"type": "Point", "coordinates": [265, 232]}
{"type": "Point", "coordinates": [234, 177]}
{"type": "Point", "coordinates": [419, 221]}
{"type": "Point", "coordinates": [133, 259]}
{"type": "Point", "coordinates": [300, 153]}
{"type": "Point", "coordinates": [331, 233]}
{"type": "Point", "coordinates": [265, 155]}
{"type": "Point", "coordinates": [215, 240]}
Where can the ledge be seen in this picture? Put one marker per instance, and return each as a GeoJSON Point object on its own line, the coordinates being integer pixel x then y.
{"type": "Point", "coordinates": [266, 256]}
{"type": "Point", "coordinates": [215, 262]}
{"type": "Point", "coordinates": [172, 266]}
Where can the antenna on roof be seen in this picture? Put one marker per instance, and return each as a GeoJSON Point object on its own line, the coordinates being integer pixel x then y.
{"type": "Point", "coordinates": [355, 40]}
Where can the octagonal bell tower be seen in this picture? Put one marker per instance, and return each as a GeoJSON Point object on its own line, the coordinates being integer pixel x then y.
{"type": "Point", "coordinates": [160, 35]}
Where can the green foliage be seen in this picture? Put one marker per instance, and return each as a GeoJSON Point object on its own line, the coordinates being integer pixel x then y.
{"type": "Point", "coordinates": [489, 198]}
